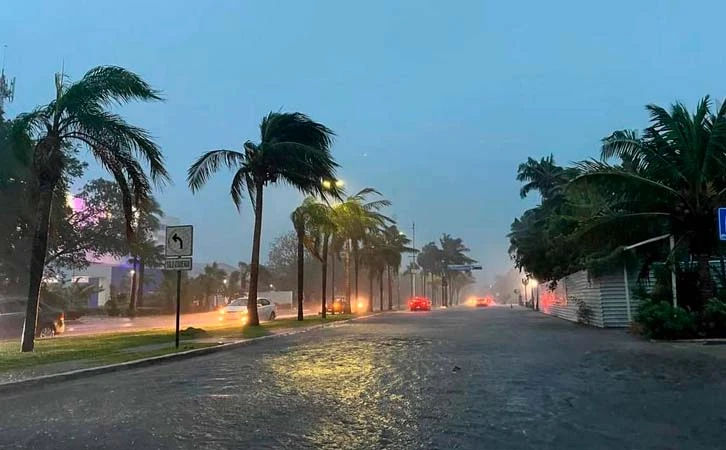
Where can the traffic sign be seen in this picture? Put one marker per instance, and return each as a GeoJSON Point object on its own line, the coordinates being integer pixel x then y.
{"type": "Point", "coordinates": [178, 264]}
{"type": "Point", "coordinates": [722, 224]}
{"type": "Point", "coordinates": [463, 267]}
{"type": "Point", "coordinates": [179, 240]}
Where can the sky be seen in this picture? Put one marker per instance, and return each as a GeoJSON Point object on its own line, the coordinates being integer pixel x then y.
{"type": "Point", "coordinates": [433, 103]}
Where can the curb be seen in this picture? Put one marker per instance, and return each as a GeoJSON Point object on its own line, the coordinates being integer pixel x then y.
{"type": "Point", "coordinates": [15, 386]}
{"type": "Point", "coordinates": [703, 341]}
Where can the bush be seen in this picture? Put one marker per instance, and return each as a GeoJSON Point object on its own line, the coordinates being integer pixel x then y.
{"type": "Point", "coordinates": [584, 313]}
{"type": "Point", "coordinates": [112, 305]}
{"type": "Point", "coordinates": [660, 320]}
{"type": "Point", "coordinates": [713, 318]}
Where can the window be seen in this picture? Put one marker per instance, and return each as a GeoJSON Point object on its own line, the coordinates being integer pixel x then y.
{"type": "Point", "coordinates": [263, 302]}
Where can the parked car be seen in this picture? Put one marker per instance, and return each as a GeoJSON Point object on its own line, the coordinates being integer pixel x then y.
{"type": "Point", "coordinates": [237, 310]}
{"type": "Point", "coordinates": [337, 306]}
{"type": "Point", "coordinates": [419, 304]}
{"type": "Point", "coordinates": [51, 321]}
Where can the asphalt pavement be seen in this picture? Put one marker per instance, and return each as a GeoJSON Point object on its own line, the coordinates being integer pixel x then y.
{"type": "Point", "coordinates": [491, 378]}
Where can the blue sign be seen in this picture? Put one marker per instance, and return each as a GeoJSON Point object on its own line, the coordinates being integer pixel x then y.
{"type": "Point", "coordinates": [722, 224]}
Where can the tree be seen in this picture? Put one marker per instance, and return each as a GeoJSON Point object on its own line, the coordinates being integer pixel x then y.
{"type": "Point", "coordinates": [453, 251]}
{"type": "Point", "coordinates": [321, 229]}
{"type": "Point", "coordinates": [671, 178]}
{"type": "Point", "coordinates": [395, 243]}
{"type": "Point", "coordinates": [309, 217]}
{"type": "Point", "coordinates": [430, 260]}
{"type": "Point", "coordinates": [293, 150]}
{"type": "Point", "coordinates": [211, 282]}
{"type": "Point", "coordinates": [355, 218]}
{"type": "Point", "coordinates": [79, 115]}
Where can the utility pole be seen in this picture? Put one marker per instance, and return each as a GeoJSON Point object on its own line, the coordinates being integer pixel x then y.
{"type": "Point", "coordinates": [7, 87]}
{"type": "Point", "coordinates": [413, 261]}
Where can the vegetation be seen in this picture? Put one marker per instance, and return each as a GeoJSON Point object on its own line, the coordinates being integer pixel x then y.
{"type": "Point", "coordinates": [293, 150]}
{"type": "Point", "coordinates": [667, 180]}
{"type": "Point", "coordinates": [45, 141]}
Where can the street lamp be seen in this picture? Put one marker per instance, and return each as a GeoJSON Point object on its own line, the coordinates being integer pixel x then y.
{"type": "Point", "coordinates": [328, 184]}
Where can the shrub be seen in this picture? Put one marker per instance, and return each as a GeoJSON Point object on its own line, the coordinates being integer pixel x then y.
{"type": "Point", "coordinates": [660, 320]}
{"type": "Point", "coordinates": [713, 318]}
{"type": "Point", "coordinates": [584, 313]}
{"type": "Point", "coordinates": [112, 305]}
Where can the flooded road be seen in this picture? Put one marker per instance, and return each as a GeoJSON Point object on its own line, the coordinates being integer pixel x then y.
{"type": "Point", "coordinates": [472, 379]}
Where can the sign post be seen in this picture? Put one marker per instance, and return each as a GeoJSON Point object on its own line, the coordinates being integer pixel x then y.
{"type": "Point", "coordinates": [178, 251]}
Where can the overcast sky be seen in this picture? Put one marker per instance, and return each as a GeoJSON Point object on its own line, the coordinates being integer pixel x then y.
{"type": "Point", "coordinates": [434, 103]}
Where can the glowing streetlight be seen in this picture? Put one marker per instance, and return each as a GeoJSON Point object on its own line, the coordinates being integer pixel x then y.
{"type": "Point", "coordinates": [328, 184]}
{"type": "Point", "coordinates": [132, 272]}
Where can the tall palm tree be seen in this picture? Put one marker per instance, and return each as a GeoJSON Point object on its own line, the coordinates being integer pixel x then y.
{"type": "Point", "coordinates": [395, 243]}
{"type": "Point", "coordinates": [293, 150]}
{"type": "Point", "coordinates": [311, 221]}
{"type": "Point", "coordinates": [453, 251]}
{"type": "Point", "coordinates": [672, 177]}
{"type": "Point", "coordinates": [543, 176]}
{"type": "Point", "coordinates": [318, 238]}
{"type": "Point", "coordinates": [355, 218]}
{"type": "Point", "coordinates": [80, 114]}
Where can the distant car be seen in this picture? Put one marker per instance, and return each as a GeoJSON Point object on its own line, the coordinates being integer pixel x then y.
{"type": "Point", "coordinates": [51, 321]}
{"type": "Point", "coordinates": [483, 302]}
{"type": "Point", "coordinates": [419, 304]}
{"type": "Point", "coordinates": [337, 306]}
{"type": "Point", "coordinates": [237, 310]}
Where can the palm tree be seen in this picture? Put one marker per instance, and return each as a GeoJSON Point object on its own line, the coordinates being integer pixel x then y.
{"type": "Point", "coordinates": [143, 248]}
{"type": "Point", "coordinates": [355, 218]}
{"type": "Point", "coordinates": [80, 114]}
{"type": "Point", "coordinates": [672, 177]}
{"type": "Point", "coordinates": [395, 243]}
{"type": "Point", "coordinates": [453, 251]}
{"type": "Point", "coordinates": [311, 221]}
{"type": "Point", "coordinates": [293, 150]}
{"type": "Point", "coordinates": [317, 238]}
{"type": "Point", "coordinates": [543, 176]}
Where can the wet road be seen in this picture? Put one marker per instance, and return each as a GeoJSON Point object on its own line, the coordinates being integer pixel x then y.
{"type": "Point", "coordinates": [477, 379]}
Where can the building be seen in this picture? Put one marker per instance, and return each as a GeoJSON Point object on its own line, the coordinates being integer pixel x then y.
{"type": "Point", "coordinates": [599, 301]}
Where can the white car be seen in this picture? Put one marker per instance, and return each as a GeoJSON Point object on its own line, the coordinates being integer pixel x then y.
{"type": "Point", "coordinates": [237, 310]}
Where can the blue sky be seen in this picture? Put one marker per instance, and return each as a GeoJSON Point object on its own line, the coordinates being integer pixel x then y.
{"type": "Point", "coordinates": [434, 103]}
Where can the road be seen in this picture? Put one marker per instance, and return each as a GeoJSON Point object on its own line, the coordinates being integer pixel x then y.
{"type": "Point", "coordinates": [458, 379]}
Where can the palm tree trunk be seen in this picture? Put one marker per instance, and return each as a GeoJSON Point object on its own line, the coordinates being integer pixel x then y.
{"type": "Point", "coordinates": [300, 272]}
{"type": "Point", "coordinates": [37, 263]}
{"type": "Point", "coordinates": [705, 281]}
{"type": "Point", "coordinates": [252, 317]}
{"type": "Point", "coordinates": [371, 294]}
{"type": "Point", "coordinates": [324, 264]}
{"type": "Point", "coordinates": [380, 288]}
{"type": "Point", "coordinates": [140, 293]}
{"type": "Point", "coordinates": [356, 261]}
{"type": "Point", "coordinates": [347, 273]}
{"type": "Point", "coordinates": [132, 293]}
{"type": "Point", "coordinates": [390, 289]}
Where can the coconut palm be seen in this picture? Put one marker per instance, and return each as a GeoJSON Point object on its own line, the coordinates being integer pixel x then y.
{"type": "Point", "coordinates": [543, 176]}
{"type": "Point", "coordinates": [80, 115]}
{"type": "Point", "coordinates": [673, 177]}
{"type": "Point", "coordinates": [395, 243]}
{"type": "Point", "coordinates": [453, 251]}
{"type": "Point", "coordinates": [317, 238]}
{"type": "Point", "coordinates": [293, 150]}
{"type": "Point", "coordinates": [312, 223]}
{"type": "Point", "coordinates": [355, 218]}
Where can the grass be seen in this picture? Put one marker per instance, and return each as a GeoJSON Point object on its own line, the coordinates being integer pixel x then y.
{"type": "Point", "coordinates": [108, 348]}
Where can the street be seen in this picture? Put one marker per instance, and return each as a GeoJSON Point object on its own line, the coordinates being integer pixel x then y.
{"type": "Point", "coordinates": [488, 378]}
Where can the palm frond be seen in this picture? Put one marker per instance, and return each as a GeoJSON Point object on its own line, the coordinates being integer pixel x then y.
{"type": "Point", "coordinates": [106, 85]}
{"type": "Point", "coordinates": [209, 163]}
